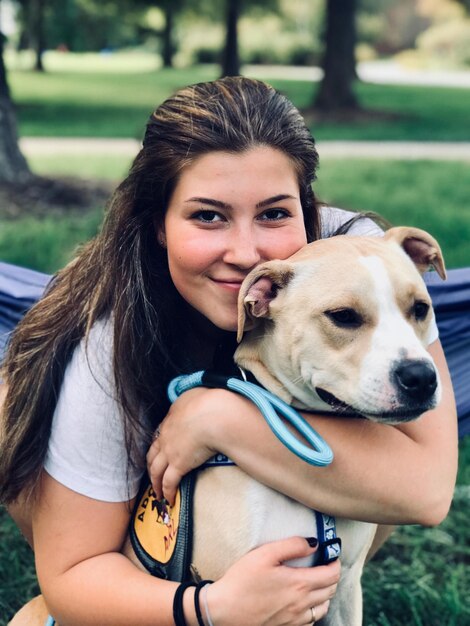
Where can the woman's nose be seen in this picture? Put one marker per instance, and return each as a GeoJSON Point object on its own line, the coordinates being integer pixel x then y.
{"type": "Point", "coordinates": [243, 250]}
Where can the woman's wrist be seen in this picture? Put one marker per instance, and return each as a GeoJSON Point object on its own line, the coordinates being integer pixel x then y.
{"type": "Point", "coordinates": [195, 605]}
{"type": "Point", "coordinates": [188, 607]}
{"type": "Point", "coordinates": [223, 419]}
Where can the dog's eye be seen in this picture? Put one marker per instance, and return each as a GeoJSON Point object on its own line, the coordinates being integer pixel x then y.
{"type": "Point", "coordinates": [420, 310]}
{"type": "Point", "coordinates": [345, 318]}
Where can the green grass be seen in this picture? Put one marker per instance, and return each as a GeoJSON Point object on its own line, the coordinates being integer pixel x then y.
{"type": "Point", "coordinates": [98, 96]}
{"type": "Point", "coordinates": [94, 166]}
{"type": "Point", "coordinates": [46, 244]}
{"type": "Point", "coordinates": [428, 194]}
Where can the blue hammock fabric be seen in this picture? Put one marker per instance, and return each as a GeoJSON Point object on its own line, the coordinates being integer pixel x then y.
{"type": "Point", "coordinates": [21, 287]}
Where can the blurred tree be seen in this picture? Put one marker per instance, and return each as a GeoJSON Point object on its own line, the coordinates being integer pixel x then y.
{"type": "Point", "coordinates": [168, 45]}
{"type": "Point", "coordinates": [336, 93]}
{"type": "Point", "coordinates": [171, 10]}
{"type": "Point", "coordinates": [230, 54]}
{"type": "Point", "coordinates": [38, 33]}
{"type": "Point", "coordinates": [233, 11]}
{"type": "Point", "coordinates": [32, 19]}
{"type": "Point", "coordinates": [14, 169]}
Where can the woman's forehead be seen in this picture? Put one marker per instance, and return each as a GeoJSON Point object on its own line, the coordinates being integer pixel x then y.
{"type": "Point", "coordinates": [261, 167]}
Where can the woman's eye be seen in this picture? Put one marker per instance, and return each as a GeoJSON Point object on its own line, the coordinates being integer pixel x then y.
{"type": "Point", "coordinates": [274, 214]}
{"type": "Point", "coordinates": [207, 217]}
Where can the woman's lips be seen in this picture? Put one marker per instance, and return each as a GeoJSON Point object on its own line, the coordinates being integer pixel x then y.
{"type": "Point", "coordinates": [232, 284]}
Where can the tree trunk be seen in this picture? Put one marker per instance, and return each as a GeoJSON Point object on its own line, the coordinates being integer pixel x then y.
{"type": "Point", "coordinates": [38, 34]}
{"type": "Point", "coordinates": [4, 88]}
{"type": "Point", "coordinates": [168, 48]}
{"type": "Point", "coordinates": [339, 62]}
{"type": "Point", "coordinates": [230, 59]}
{"type": "Point", "coordinates": [13, 166]}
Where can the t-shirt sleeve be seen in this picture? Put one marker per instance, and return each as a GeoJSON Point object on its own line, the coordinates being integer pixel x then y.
{"type": "Point", "coordinates": [333, 218]}
{"type": "Point", "coordinates": [87, 451]}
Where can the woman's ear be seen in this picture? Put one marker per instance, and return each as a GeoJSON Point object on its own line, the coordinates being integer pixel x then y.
{"type": "Point", "coordinates": [161, 236]}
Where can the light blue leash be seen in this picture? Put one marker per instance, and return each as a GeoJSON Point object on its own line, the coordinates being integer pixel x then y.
{"type": "Point", "coordinates": [271, 408]}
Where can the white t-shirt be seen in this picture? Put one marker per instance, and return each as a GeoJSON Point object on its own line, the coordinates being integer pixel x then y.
{"type": "Point", "coordinates": [87, 451]}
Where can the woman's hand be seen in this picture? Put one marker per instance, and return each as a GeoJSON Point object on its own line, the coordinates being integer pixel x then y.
{"type": "Point", "coordinates": [183, 440]}
{"type": "Point", "coordinates": [260, 590]}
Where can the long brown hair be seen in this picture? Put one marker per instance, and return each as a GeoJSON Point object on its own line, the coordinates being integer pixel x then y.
{"type": "Point", "coordinates": [123, 271]}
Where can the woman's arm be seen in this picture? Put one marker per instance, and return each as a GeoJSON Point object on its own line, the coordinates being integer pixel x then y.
{"type": "Point", "coordinates": [383, 474]}
{"type": "Point", "coordinates": [87, 582]}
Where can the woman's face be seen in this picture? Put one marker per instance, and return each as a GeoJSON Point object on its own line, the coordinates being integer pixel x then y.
{"type": "Point", "coordinates": [229, 213]}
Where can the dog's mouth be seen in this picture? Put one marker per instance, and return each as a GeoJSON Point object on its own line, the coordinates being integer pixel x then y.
{"type": "Point", "coordinates": [338, 405]}
{"type": "Point", "coordinates": [395, 416]}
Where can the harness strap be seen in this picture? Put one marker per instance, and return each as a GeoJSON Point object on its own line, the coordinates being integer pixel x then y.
{"type": "Point", "coordinates": [329, 544]}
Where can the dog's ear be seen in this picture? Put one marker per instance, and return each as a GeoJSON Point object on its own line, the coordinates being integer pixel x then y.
{"type": "Point", "coordinates": [420, 246]}
{"type": "Point", "coordinates": [258, 290]}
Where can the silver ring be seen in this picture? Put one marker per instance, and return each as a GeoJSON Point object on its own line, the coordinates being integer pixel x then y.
{"type": "Point", "coordinates": [314, 614]}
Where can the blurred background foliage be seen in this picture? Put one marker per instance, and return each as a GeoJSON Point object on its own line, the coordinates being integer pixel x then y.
{"type": "Point", "coordinates": [421, 32]}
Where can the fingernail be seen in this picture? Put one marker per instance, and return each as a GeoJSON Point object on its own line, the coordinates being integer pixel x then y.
{"type": "Point", "coordinates": [312, 541]}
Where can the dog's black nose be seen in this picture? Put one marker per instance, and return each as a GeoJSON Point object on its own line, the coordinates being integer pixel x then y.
{"type": "Point", "coordinates": [416, 379]}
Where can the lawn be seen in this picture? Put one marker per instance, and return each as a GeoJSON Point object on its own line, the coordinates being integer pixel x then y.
{"type": "Point", "coordinates": [91, 96]}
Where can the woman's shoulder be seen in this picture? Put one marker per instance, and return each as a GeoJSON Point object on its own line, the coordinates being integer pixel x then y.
{"type": "Point", "coordinates": [333, 218]}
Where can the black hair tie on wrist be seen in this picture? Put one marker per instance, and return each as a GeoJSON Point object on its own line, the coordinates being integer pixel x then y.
{"type": "Point", "coordinates": [197, 606]}
{"type": "Point", "coordinates": [178, 613]}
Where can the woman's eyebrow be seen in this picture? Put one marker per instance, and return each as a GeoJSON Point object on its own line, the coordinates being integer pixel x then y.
{"type": "Point", "coordinates": [223, 205]}
{"type": "Point", "coordinates": [211, 202]}
{"type": "Point", "coordinates": [274, 199]}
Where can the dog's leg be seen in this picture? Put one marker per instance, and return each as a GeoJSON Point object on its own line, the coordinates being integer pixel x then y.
{"type": "Point", "coordinates": [346, 606]}
{"type": "Point", "coordinates": [381, 536]}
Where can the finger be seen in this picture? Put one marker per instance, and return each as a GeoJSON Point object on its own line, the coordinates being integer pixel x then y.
{"type": "Point", "coordinates": [156, 472]}
{"type": "Point", "coordinates": [291, 548]}
{"type": "Point", "coordinates": [315, 613]}
{"type": "Point", "coordinates": [170, 481]}
{"type": "Point", "coordinates": [152, 452]}
{"type": "Point", "coordinates": [321, 580]}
